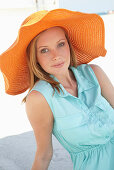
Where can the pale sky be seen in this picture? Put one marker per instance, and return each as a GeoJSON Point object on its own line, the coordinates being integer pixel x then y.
{"type": "Point", "coordinates": [90, 6]}
{"type": "Point", "coordinates": [16, 3]}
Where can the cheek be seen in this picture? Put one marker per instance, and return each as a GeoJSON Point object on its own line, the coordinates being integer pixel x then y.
{"type": "Point", "coordinates": [67, 52]}
{"type": "Point", "coordinates": [42, 60]}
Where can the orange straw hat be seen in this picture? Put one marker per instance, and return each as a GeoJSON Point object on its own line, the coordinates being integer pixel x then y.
{"type": "Point", "coordinates": [85, 31]}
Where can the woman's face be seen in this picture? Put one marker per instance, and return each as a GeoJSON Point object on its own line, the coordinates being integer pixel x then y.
{"type": "Point", "coordinates": [53, 49]}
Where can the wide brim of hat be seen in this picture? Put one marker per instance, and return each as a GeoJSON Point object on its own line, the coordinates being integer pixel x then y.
{"type": "Point", "coordinates": [86, 33]}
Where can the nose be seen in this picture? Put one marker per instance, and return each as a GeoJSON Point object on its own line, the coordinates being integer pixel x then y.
{"type": "Point", "coordinates": [55, 55]}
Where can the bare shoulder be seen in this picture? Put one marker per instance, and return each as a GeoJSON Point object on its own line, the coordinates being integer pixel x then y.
{"type": "Point", "coordinates": [100, 74]}
{"type": "Point", "coordinates": [98, 71]}
{"type": "Point", "coordinates": [96, 68]}
{"type": "Point", "coordinates": [107, 88]}
{"type": "Point", "coordinates": [36, 105]}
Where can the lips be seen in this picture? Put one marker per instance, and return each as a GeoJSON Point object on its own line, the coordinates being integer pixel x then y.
{"type": "Point", "coordinates": [57, 64]}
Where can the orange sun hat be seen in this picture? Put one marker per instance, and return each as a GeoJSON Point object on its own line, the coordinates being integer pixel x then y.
{"type": "Point", "coordinates": [86, 33]}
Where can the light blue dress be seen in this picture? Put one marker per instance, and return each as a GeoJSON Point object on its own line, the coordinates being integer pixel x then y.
{"type": "Point", "coordinates": [84, 125]}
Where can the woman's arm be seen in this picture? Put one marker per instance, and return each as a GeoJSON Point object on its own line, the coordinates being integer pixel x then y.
{"type": "Point", "coordinates": [41, 164]}
{"type": "Point", "coordinates": [41, 119]}
{"type": "Point", "coordinates": [107, 89]}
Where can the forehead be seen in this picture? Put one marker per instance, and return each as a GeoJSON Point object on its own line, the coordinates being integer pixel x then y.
{"type": "Point", "coordinates": [58, 31]}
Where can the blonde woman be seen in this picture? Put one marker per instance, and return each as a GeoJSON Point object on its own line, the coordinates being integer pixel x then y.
{"type": "Point", "coordinates": [67, 97]}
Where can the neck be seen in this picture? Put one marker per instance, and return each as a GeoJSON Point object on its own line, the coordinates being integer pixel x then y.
{"type": "Point", "coordinates": [67, 79]}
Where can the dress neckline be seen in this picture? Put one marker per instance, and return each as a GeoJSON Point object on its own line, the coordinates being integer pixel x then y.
{"type": "Point", "coordinates": [83, 84]}
{"type": "Point", "coordinates": [66, 93]}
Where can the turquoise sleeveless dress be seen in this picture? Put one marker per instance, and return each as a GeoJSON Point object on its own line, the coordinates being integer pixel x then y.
{"type": "Point", "coordinates": [84, 125]}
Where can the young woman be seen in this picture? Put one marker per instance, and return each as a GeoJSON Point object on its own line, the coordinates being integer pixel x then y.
{"type": "Point", "coordinates": [67, 97]}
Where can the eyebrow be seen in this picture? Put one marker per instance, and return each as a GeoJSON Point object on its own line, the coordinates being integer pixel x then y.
{"type": "Point", "coordinates": [47, 46]}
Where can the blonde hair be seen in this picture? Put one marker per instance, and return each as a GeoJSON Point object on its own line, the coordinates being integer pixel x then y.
{"type": "Point", "coordinates": [37, 72]}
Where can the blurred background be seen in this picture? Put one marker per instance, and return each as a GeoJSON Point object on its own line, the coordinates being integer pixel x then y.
{"type": "Point", "coordinates": [13, 119]}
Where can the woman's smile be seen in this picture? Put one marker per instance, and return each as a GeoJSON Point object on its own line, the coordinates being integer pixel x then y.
{"type": "Point", "coordinates": [58, 65]}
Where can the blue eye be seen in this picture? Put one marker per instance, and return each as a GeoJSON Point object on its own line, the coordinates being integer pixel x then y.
{"type": "Point", "coordinates": [61, 44]}
{"type": "Point", "coordinates": [44, 50]}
